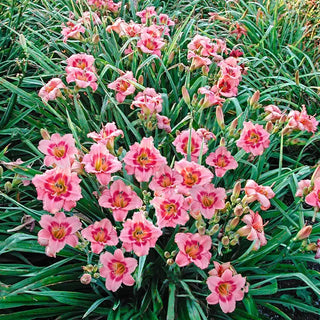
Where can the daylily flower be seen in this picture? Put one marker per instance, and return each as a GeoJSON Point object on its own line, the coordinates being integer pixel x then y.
{"type": "Point", "coordinates": [255, 192]}
{"type": "Point", "coordinates": [80, 61]}
{"type": "Point", "coordinates": [302, 121]}
{"type": "Point", "coordinates": [149, 101]}
{"type": "Point", "coordinates": [313, 198]}
{"type": "Point", "coordinates": [122, 86]}
{"type": "Point", "coordinates": [51, 90]}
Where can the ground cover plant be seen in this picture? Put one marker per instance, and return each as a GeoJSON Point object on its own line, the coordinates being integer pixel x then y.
{"type": "Point", "coordinates": [159, 160]}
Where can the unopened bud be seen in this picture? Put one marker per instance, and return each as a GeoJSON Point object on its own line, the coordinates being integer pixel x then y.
{"type": "Point", "coordinates": [202, 230]}
{"type": "Point", "coordinates": [222, 142]}
{"type": "Point", "coordinates": [254, 99]}
{"type": "Point", "coordinates": [312, 247]}
{"type": "Point", "coordinates": [96, 275]}
{"type": "Point", "coordinates": [238, 210]}
{"type": "Point", "coordinates": [283, 118]}
{"type": "Point", "coordinates": [233, 126]}
{"type": "Point", "coordinates": [234, 222]}
{"type": "Point", "coordinates": [297, 77]}
{"type": "Point", "coordinates": [170, 262]}
{"type": "Point", "coordinates": [1, 172]}
{"type": "Point", "coordinates": [88, 268]}
{"type": "Point", "coordinates": [140, 79]}
{"type": "Point", "coordinates": [216, 218]}
{"type": "Point", "coordinates": [269, 126]}
{"type": "Point", "coordinates": [304, 233]}
{"type": "Point", "coordinates": [174, 253]}
{"type": "Point", "coordinates": [234, 242]}
{"type": "Point", "coordinates": [194, 100]}
{"type": "Point", "coordinates": [214, 229]}
{"type": "Point", "coordinates": [8, 186]}
{"type": "Point", "coordinates": [95, 39]}
{"type": "Point", "coordinates": [225, 240]}
{"type": "Point", "coordinates": [220, 117]}
{"type": "Point", "coordinates": [185, 95]}
{"type": "Point", "coordinates": [149, 125]}
{"type": "Point", "coordinates": [86, 278]}
{"type": "Point", "coordinates": [45, 134]}
{"type": "Point", "coordinates": [171, 57]}
{"type": "Point", "coordinates": [236, 189]}
{"type": "Point", "coordinates": [119, 152]}
{"type": "Point", "coordinates": [204, 70]}
{"type": "Point", "coordinates": [167, 254]}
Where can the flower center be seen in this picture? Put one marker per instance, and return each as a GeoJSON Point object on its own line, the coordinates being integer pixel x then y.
{"type": "Point", "coordinates": [224, 289]}
{"type": "Point", "coordinates": [192, 250]}
{"type": "Point", "coordinates": [143, 159]}
{"type": "Point", "coordinates": [100, 236]}
{"type": "Point", "coordinates": [207, 200]}
{"type": "Point", "coordinates": [254, 138]}
{"type": "Point", "coordinates": [165, 181]}
{"type": "Point", "coordinates": [190, 178]}
{"type": "Point", "coordinates": [221, 162]}
{"type": "Point", "coordinates": [82, 77]}
{"type": "Point", "coordinates": [81, 64]}
{"type": "Point", "coordinates": [123, 86]}
{"type": "Point", "coordinates": [170, 209]}
{"type": "Point", "coordinates": [120, 201]}
{"type": "Point", "coordinates": [138, 233]}
{"type": "Point", "coordinates": [101, 164]}
{"type": "Point", "coordinates": [58, 232]}
{"type": "Point", "coordinates": [59, 151]}
{"type": "Point", "coordinates": [49, 88]}
{"type": "Point", "coordinates": [150, 44]}
{"type": "Point", "coordinates": [118, 268]}
{"type": "Point", "coordinates": [59, 187]}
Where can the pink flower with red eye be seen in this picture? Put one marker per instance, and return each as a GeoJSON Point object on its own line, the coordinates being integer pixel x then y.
{"type": "Point", "coordinates": [222, 161]}
{"type": "Point", "coordinates": [228, 87]}
{"type": "Point", "coordinates": [302, 121]}
{"type": "Point", "coordinates": [199, 44]}
{"type": "Point", "coordinates": [313, 198]}
{"type": "Point", "coordinates": [219, 269]}
{"type": "Point", "coordinates": [101, 162]}
{"type": "Point", "coordinates": [164, 19]}
{"type": "Point", "coordinates": [123, 86]}
{"type": "Point", "coordinates": [254, 192]}
{"type": "Point", "coordinates": [212, 97]}
{"type": "Point", "coordinates": [171, 209]}
{"type": "Point", "coordinates": [273, 113]}
{"type": "Point", "coordinates": [143, 160]}
{"type": "Point", "coordinates": [120, 199]}
{"type": "Point", "coordinates": [82, 78]}
{"type": "Point", "coordinates": [72, 30]}
{"type": "Point", "coordinates": [165, 178]}
{"type": "Point", "coordinates": [107, 135]}
{"type": "Point", "coordinates": [226, 290]}
{"type": "Point", "coordinates": [97, 3]}
{"type": "Point", "coordinates": [182, 140]}
{"type": "Point", "coordinates": [206, 134]}
{"type": "Point", "coordinates": [149, 101]}
{"type": "Point", "coordinates": [100, 234]}
{"type": "Point", "coordinates": [154, 31]}
{"type": "Point", "coordinates": [303, 188]}
{"type": "Point", "coordinates": [117, 269]}
{"type": "Point", "coordinates": [193, 175]}
{"type": "Point", "coordinates": [58, 188]}
{"type": "Point", "coordinates": [253, 139]}
{"type": "Point", "coordinates": [119, 26]}
{"type": "Point", "coordinates": [112, 6]}
{"type": "Point", "coordinates": [58, 150]}
{"type": "Point", "coordinates": [163, 122]}
{"type": "Point", "coordinates": [51, 90]}
{"type": "Point", "coordinates": [150, 44]}
{"type": "Point", "coordinates": [133, 29]}
{"type": "Point", "coordinates": [198, 61]}
{"type": "Point", "coordinates": [207, 199]}
{"type": "Point", "coordinates": [57, 231]}
{"type": "Point", "coordinates": [253, 229]}
{"type": "Point", "coordinates": [80, 61]}
{"type": "Point", "coordinates": [139, 234]}
{"type": "Point", "coordinates": [193, 248]}
{"type": "Point", "coordinates": [230, 68]}
{"type": "Point", "coordinates": [146, 14]}
{"type": "Point", "coordinates": [87, 17]}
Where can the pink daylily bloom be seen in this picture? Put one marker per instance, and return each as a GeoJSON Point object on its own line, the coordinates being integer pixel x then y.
{"type": "Point", "coordinates": [273, 113]}
{"type": "Point", "coordinates": [212, 97]}
{"type": "Point", "coordinates": [193, 174]}
{"type": "Point", "coordinates": [219, 269]}
{"type": "Point", "coordinates": [228, 87]}
{"type": "Point", "coordinates": [149, 101]}
{"type": "Point", "coordinates": [198, 61]}
{"type": "Point", "coordinates": [100, 234]}
{"type": "Point", "coordinates": [59, 150]}
{"type": "Point", "coordinates": [182, 140]}
{"type": "Point", "coordinates": [303, 188]}
{"type": "Point", "coordinates": [51, 90]}
{"type": "Point", "coordinates": [80, 61]}
{"type": "Point", "coordinates": [226, 290]}
{"type": "Point", "coordinates": [193, 248]}
{"type": "Point", "coordinates": [58, 188]}
{"type": "Point", "coordinates": [139, 234]}
{"type": "Point", "coordinates": [253, 139]}
{"type": "Point", "coordinates": [165, 178]}
{"type": "Point", "coordinates": [255, 192]}
{"type": "Point", "coordinates": [164, 19]}
{"type": "Point", "coordinates": [117, 269]}
{"type": "Point", "coordinates": [229, 67]}
{"type": "Point", "coordinates": [163, 122]}
{"type": "Point", "coordinates": [207, 199]}
{"type": "Point", "coordinates": [222, 161]}
{"type": "Point", "coordinates": [87, 17]}
{"type": "Point", "coordinates": [57, 231]}
{"type": "Point", "coordinates": [120, 198]}
{"type": "Point", "coordinates": [313, 198]}
{"type": "Point", "coordinates": [302, 121]}
{"type": "Point", "coordinates": [150, 44]}
{"type": "Point", "coordinates": [82, 78]}
{"type": "Point", "coordinates": [72, 30]}
{"type": "Point", "coordinates": [253, 229]}
{"type": "Point", "coordinates": [146, 14]}
{"type": "Point", "coordinates": [123, 86]}
{"type": "Point", "coordinates": [143, 160]}
{"type": "Point", "coordinates": [101, 162]}
{"type": "Point", "coordinates": [171, 209]}
{"type": "Point", "coordinates": [205, 134]}
{"type": "Point", "coordinates": [119, 26]}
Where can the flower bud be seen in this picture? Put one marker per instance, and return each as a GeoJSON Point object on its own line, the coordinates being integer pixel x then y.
{"type": "Point", "coordinates": [255, 99]}
{"type": "Point", "coordinates": [170, 262]}
{"type": "Point", "coordinates": [86, 278]}
{"type": "Point", "coordinates": [185, 95]}
{"type": "Point", "coordinates": [220, 117]}
{"type": "Point", "coordinates": [304, 233]}
{"type": "Point", "coordinates": [216, 218]}
{"type": "Point", "coordinates": [194, 100]}
{"type": "Point", "coordinates": [312, 247]}
{"type": "Point", "coordinates": [140, 79]}
{"type": "Point", "coordinates": [88, 268]}
{"type": "Point", "coordinates": [297, 77]}
{"type": "Point", "coordinates": [225, 240]}
{"type": "Point", "coordinates": [234, 222]}
{"type": "Point", "coordinates": [214, 229]}
{"type": "Point", "coordinates": [1, 172]}
{"type": "Point", "coordinates": [234, 242]}
{"type": "Point", "coordinates": [236, 189]}
{"type": "Point", "coordinates": [171, 57]}
{"type": "Point", "coordinates": [202, 230]}
{"type": "Point", "coordinates": [174, 253]}
{"type": "Point", "coordinates": [8, 186]}
{"type": "Point", "coordinates": [238, 210]}
{"type": "Point", "coordinates": [45, 134]}
{"type": "Point", "coordinates": [222, 142]}
{"type": "Point", "coordinates": [167, 254]}
{"type": "Point", "coordinates": [95, 39]}
{"type": "Point", "coordinates": [233, 126]}
{"type": "Point", "coordinates": [269, 126]}
{"type": "Point", "coordinates": [96, 275]}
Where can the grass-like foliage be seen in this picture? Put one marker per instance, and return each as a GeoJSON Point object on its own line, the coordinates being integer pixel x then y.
{"type": "Point", "coordinates": [159, 159]}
